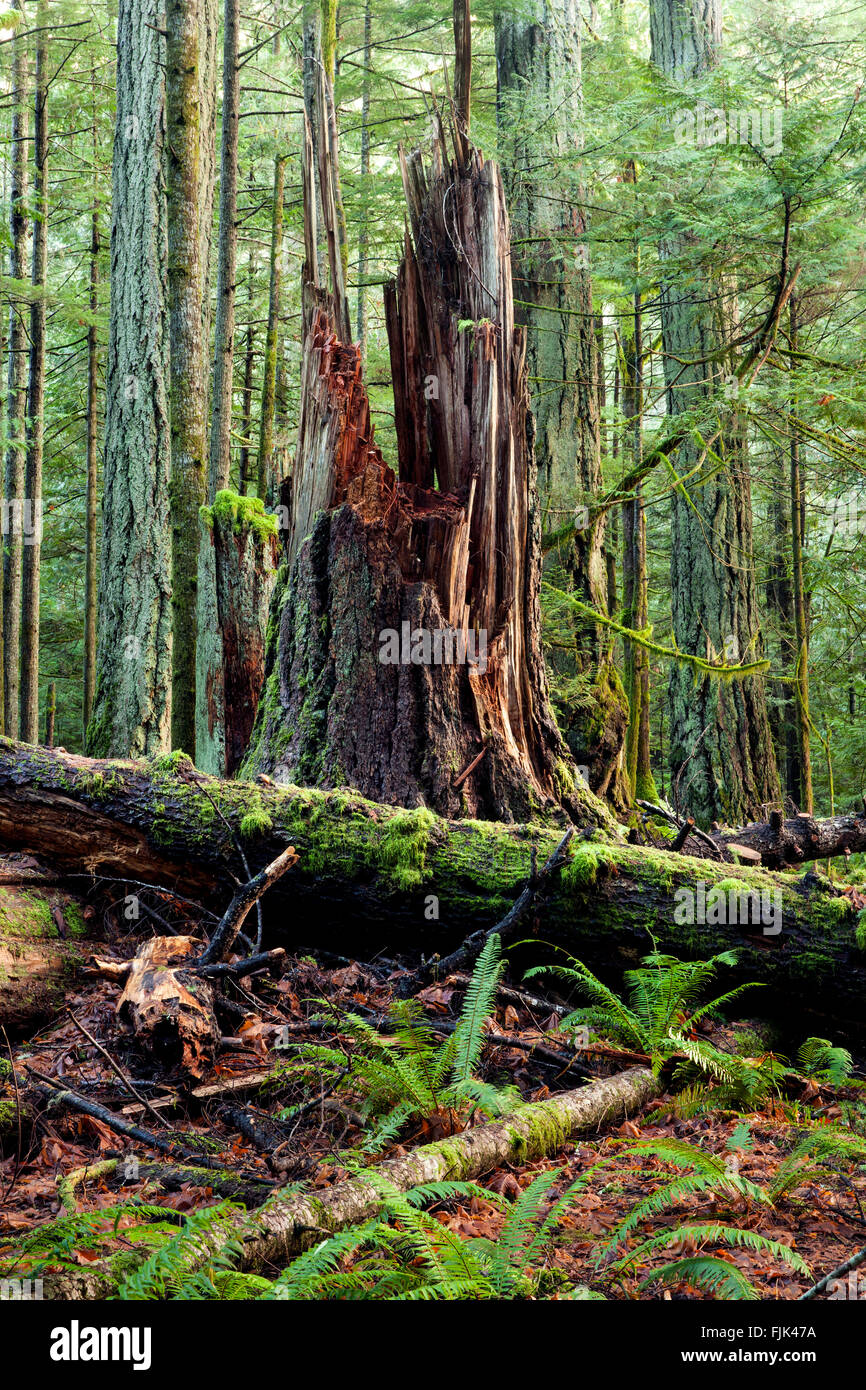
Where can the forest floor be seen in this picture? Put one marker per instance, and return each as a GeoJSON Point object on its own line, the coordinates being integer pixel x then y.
{"type": "Point", "coordinates": [822, 1219]}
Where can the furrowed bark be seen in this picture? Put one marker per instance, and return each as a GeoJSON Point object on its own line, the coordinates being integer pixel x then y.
{"type": "Point", "coordinates": [539, 121]}
{"type": "Point", "coordinates": [723, 761]}
{"type": "Point", "coordinates": [16, 414]}
{"type": "Point", "coordinates": [269, 380]}
{"type": "Point", "coordinates": [188, 390]}
{"type": "Point", "coordinates": [31, 575]}
{"type": "Point", "coordinates": [92, 506]}
{"type": "Point", "coordinates": [370, 877]}
{"type": "Point", "coordinates": [224, 339]}
{"type": "Point", "coordinates": [132, 703]}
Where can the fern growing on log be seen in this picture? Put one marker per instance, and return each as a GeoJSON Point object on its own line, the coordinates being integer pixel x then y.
{"type": "Point", "coordinates": [405, 1253]}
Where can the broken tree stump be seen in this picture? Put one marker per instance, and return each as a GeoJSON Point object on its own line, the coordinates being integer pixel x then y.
{"type": "Point", "coordinates": [407, 632]}
{"type": "Point", "coordinates": [238, 562]}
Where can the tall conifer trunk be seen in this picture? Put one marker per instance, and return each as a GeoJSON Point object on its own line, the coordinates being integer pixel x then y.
{"type": "Point", "coordinates": [723, 763]}
{"type": "Point", "coordinates": [35, 403]}
{"type": "Point", "coordinates": [14, 515]}
{"type": "Point", "coordinates": [188, 408]}
{"type": "Point", "coordinates": [539, 118]}
{"type": "Point", "coordinates": [132, 702]}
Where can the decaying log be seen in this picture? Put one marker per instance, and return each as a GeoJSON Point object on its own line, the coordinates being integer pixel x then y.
{"type": "Point", "coordinates": [170, 1177]}
{"type": "Point", "coordinates": [774, 843]}
{"type": "Point", "coordinates": [798, 840]}
{"type": "Point", "coordinates": [371, 878]}
{"type": "Point", "coordinates": [287, 1224]}
{"type": "Point", "coordinates": [407, 627]}
{"type": "Point", "coordinates": [42, 948]}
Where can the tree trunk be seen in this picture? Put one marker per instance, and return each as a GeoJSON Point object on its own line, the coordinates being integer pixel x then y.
{"type": "Point", "coordinates": [132, 701]}
{"type": "Point", "coordinates": [224, 338]}
{"type": "Point", "coordinates": [15, 518]}
{"type": "Point", "coordinates": [539, 117]}
{"type": "Point", "coordinates": [91, 570]}
{"type": "Point", "coordinates": [50, 714]}
{"type": "Point", "coordinates": [35, 404]}
{"type": "Point", "coordinates": [246, 473]}
{"type": "Point", "coordinates": [722, 756]}
{"type": "Point", "coordinates": [364, 233]}
{"type": "Point", "coordinates": [269, 380]}
{"type": "Point", "coordinates": [635, 598]}
{"type": "Point", "coordinates": [780, 600]}
{"type": "Point", "coordinates": [802, 724]}
{"type": "Point", "coordinates": [208, 46]}
{"type": "Point", "coordinates": [188, 445]}
{"type": "Point", "coordinates": [239, 547]}
{"type": "Point", "coordinates": [371, 878]}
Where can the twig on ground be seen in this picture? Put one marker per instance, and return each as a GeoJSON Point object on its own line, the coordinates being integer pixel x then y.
{"type": "Point", "coordinates": [118, 1070]}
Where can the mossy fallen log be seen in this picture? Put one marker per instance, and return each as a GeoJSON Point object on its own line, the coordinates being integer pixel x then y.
{"type": "Point", "coordinates": [370, 877]}
{"type": "Point", "coordinates": [288, 1223]}
{"type": "Point", "coordinates": [42, 945]}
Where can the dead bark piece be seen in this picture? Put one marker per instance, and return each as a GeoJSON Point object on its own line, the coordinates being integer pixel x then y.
{"type": "Point", "coordinates": [287, 1225]}
{"type": "Point", "coordinates": [170, 1008]}
{"type": "Point", "coordinates": [239, 549]}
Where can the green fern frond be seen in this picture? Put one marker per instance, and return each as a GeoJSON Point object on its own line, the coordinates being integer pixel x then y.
{"type": "Point", "coordinates": [477, 1006]}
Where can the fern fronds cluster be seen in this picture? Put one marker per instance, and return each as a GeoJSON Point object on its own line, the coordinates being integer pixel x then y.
{"type": "Point", "coordinates": [410, 1073]}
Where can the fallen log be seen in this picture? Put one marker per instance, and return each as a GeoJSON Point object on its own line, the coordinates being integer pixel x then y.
{"type": "Point", "coordinates": [798, 840]}
{"type": "Point", "coordinates": [371, 878]}
{"type": "Point", "coordinates": [42, 947]}
{"type": "Point", "coordinates": [289, 1223]}
{"type": "Point", "coordinates": [775, 843]}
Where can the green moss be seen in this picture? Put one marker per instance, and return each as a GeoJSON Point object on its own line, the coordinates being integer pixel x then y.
{"type": "Point", "coordinates": [172, 762]}
{"type": "Point", "coordinates": [99, 786]}
{"type": "Point", "coordinates": [732, 885]}
{"type": "Point", "coordinates": [860, 930]}
{"type": "Point", "coordinates": [74, 918]}
{"type": "Point", "coordinates": [233, 512]}
{"type": "Point", "coordinates": [582, 870]}
{"type": "Point", "coordinates": [26, 915]}
{"type": "Point", "coordinates": [255, 822]}
{"type": "Point", "coordinates": [404, 845]}
{"type": "Point", "coordinates": [563, 777]}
